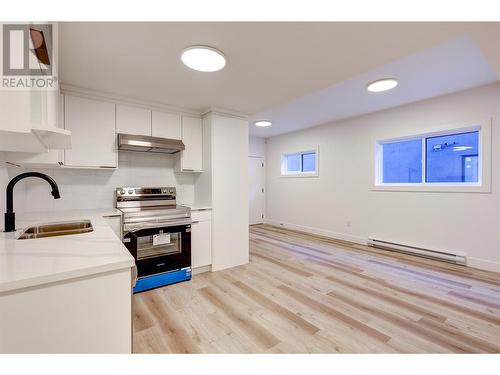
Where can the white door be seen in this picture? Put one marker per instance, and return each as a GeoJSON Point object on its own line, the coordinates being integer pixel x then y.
{"type": "Point", "coordinates": [256, 189]}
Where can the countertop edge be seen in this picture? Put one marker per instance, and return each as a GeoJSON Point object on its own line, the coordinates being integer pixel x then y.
{"type": "Point", "coordinates": [42, 281]}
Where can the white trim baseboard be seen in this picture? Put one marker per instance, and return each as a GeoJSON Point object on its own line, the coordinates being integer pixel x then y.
{"type": "Point", "coordinates": [483, 264]}
{"type": "Point", "coordinates": [202, 269]}
{"type": "Point", "coordinates": [320, 232]}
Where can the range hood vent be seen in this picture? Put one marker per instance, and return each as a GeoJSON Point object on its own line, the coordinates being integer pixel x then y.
{"type": "Point", "coordinates": [143, 143]}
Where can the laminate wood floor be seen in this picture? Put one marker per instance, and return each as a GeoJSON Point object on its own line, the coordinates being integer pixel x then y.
{"type": "Point", "coordinates": [310, 294]}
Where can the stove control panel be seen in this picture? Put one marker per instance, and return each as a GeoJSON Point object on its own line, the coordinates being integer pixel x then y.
{"type": "Point", "coordinates": [145, 193]}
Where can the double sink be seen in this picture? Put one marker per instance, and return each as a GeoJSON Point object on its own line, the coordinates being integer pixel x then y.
{"type": "Point", "coordinates": [57, 229]}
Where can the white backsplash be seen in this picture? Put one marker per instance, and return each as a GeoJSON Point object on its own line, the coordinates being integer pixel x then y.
{"type": "Point", "coordinates": [94, 188]}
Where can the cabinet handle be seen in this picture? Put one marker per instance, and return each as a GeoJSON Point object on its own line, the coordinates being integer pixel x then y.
{"type": "Point", "coordinates": [194, 222]}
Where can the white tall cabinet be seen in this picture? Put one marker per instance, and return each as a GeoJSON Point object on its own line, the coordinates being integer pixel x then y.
{"type": "Point", "coordinates": [224, 186]}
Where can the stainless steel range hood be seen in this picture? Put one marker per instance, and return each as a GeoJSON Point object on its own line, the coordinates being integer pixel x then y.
{"type": "Point", "coordinates": [143, 143]}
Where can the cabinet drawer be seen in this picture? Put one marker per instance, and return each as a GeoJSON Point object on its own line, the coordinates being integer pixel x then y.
{"type": "Point", "coordinates": [203, 215]}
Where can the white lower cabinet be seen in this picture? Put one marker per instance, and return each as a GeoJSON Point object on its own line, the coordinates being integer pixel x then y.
{"type": "Point", "coordinates": [90, 314]}
{"type": "Point", "coordinates": [201, 238]}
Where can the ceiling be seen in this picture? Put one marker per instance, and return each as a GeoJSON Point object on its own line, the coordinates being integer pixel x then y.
{"type": "Point", "coordinates": [273, 67]}
{"type": "Point", "coordinates": [448, 67]}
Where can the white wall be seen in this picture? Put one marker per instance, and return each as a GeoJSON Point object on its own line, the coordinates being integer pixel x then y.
{"type": "Point", "coordinates": [256, 147]}
{"type": "Point", "coordinates": [340, 203]}
{"type": "Point", "coordinates": [90, 189]}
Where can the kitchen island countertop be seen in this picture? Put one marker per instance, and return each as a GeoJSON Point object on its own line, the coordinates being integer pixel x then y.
{"type": "Point", "coordinates": [34, 262]}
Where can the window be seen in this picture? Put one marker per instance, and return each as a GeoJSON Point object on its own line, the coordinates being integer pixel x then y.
{"type": "Point", "coordinates": [297, 164]}
{"type": "Point", "coordinates": [402, 161]}
{"type": "Point", "coordinates": [452, 158]}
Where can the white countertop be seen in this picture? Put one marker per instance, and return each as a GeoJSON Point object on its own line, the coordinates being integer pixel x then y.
{"type": "Point", "coordinates": [196, 207]}
{"type": "Point", "coordinates": [33, 262]}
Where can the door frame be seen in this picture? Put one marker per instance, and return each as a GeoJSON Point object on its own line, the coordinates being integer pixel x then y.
{"type": "Point", "coordinates": [263, 160]}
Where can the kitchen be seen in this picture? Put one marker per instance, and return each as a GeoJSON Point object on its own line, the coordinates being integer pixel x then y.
{"type": "Point", "coordinates": [162, 199]}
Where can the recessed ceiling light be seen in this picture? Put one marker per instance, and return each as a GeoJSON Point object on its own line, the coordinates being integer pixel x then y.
{"type": "Point", "coordinates": [263, 123]}
{"type": "Point", "coordinates": [203, 58]}
{"type": "Point", "coordinates": [382, 85]}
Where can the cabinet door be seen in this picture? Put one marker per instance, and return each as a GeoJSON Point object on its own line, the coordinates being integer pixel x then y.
{"type": "Point", "coordinates": [191, 157]}
{"type": "Point", "coordinates": [133, 120]}
{"type": "Point", "coordinates": [49, 159]}
{"type": "Point", "coordinates": [201, 243]}
{"type": "Point", "coordinates": [166, 125]}
{"type": "Point", "coordinates": [93, 134]}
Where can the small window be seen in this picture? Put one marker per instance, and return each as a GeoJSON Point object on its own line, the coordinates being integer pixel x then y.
{"type": "Point", "coordinates": [299, 164]}
{"type": "Point", "coordinates": [447, 159]}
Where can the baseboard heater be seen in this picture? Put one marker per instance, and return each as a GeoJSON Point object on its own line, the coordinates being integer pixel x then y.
{"type": "Point", "coordinates": [418, 251]}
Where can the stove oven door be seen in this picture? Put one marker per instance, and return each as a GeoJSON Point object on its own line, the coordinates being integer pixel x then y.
{"type": "Point", "coordinates": [158, 250]}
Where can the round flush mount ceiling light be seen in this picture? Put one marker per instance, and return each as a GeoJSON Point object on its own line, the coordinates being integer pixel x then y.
{"type": "Point", "coordinates": [203, 58]}
{"type": "Point", "coordinates": [263, 123]}
{"type": "Point", "coordinates": [382, 85]}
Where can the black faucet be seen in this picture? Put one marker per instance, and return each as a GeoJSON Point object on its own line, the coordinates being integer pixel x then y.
{"type": "Point", "coordinates": [10, 216]}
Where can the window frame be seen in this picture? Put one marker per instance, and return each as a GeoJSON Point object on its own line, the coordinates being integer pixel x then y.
{"type": "Point", "coordinates": [285, 173]}
{"type": "Point", "coordinates": [484, 161]}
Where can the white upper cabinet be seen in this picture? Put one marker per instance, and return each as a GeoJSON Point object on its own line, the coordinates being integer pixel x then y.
{"type": "Point", "coordinates": [47, 159]}
{"type": "Point", "coordinates": [92, 126]}
{"type": "Point", "coordinates": [166, 125]}
{"type": "Point", "coordinates": [133, 120]}
{"type": "Point", "coordinates": [191, 159]}
{"type": "Point", "coordinates": [28, 116]}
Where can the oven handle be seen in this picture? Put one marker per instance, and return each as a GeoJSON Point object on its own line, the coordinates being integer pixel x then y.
{"type": "Point", "coordinates": [157, 224]}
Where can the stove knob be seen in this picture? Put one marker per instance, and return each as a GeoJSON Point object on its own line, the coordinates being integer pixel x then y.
{"type": "Point", "coordinates": [130, 191]}
{"type": "Point", "coordinates": [122, 191]}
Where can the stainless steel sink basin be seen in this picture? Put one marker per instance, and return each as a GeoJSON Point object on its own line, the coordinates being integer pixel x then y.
{"type": "Point", "coordinates": [57, 229]}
